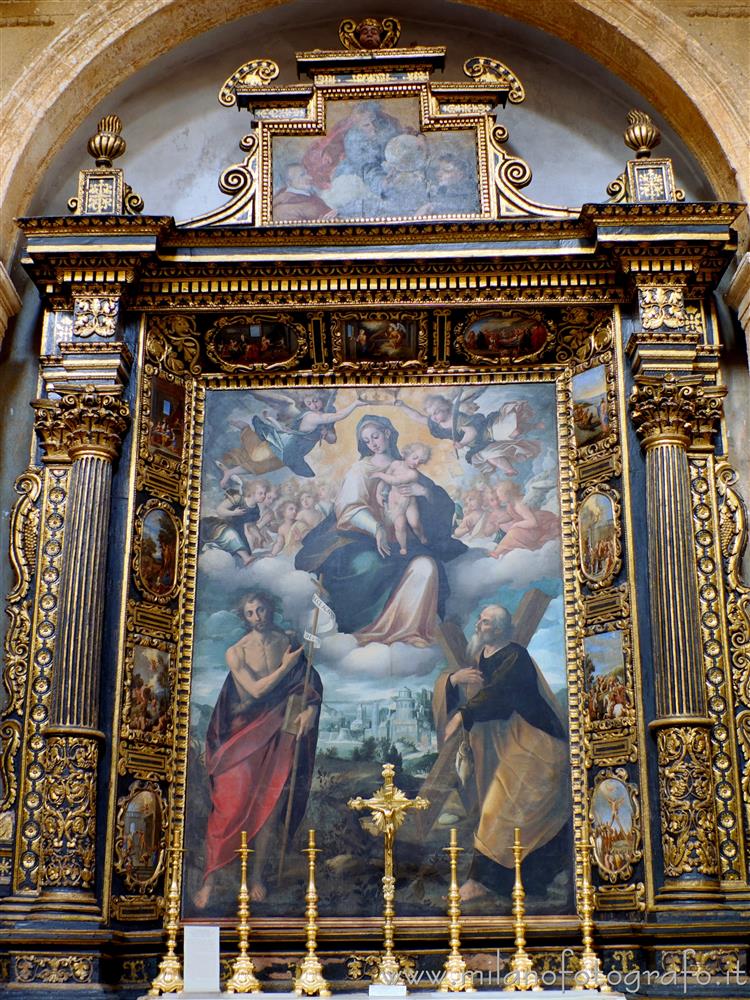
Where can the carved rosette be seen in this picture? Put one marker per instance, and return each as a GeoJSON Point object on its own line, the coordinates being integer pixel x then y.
{"type": "Point", "coordinates": [662, 306]}
{"type": "Point", "coordinates": [674, 410]}
{"type": "Point", "coordinates": [95, 315]}
{"type": "Point", "coordinates": [688, 823]}
{"type": "Point", "coordinates": [69, 823]}
{"type": "Point", "coordinates": [94, 422]}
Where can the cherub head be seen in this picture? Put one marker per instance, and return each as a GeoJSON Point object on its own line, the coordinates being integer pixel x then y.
{"type": "Point", "coordinates": [288, 510]}
{"type": "Point", "coordinates": [307, 500]}
{"type": "Point", "coordinates": [314, 401]}
{"type": "Point", "coordinates": [506, 490]}
{"type": "Point", "coordinates": [255, 490]}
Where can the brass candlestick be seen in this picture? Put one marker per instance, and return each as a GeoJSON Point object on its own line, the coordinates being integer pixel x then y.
{"type": "Point", "coordinates": [456, 977]}
{"type": "Point", "coordinates": [169, 977]}
{"type": "Point", "coordinates": [590, 975]}
{"type": "Point", "coordinates": [389, 806]}
{"type": "Point", "coordinates": [243, 974]}
{"type": "Point", "coordinates": [521, 976]}
{"type": "Point", "coordinates": [310, 980]}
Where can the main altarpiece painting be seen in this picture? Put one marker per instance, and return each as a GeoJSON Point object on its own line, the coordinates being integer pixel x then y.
{"type": "Point", "coordinates": [298, 459]}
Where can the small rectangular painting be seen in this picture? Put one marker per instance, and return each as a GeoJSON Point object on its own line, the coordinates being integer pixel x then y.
{"type": "Point", "coordinates": [381, 339]}
{"type": "Point", "coordinates": [605, 676]}
{"type": "Point", "coordinates": [590, 412]}
{"type": "Point", "coordinates": [373, 163]}
{"type": "Point", "coordinates": [165, 432]}
{"type": "Point", "coordinates": [150, 691]}
{"type": "Point", "coordinates": [427, 521]}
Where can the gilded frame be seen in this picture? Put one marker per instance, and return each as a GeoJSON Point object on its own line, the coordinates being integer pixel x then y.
{"type": "Point", "coordinates": [312, 121]}
{"type": "Point", "coordinates": [623, 871]}
{"type": "Point", "coordinates": [369, 927]}
{"type": "Point", "coordinates": [604, 579]}
{"type": "Point", "coordinates": [463, 348]}
{"type": "Point", "coordinates": [141, 885]}
{"type": "Point", "coordinates": [301, 334]}
{"type": "Point", "coordinates": [162, 596]}
{"type": "Point", "coordinates": [159, 646]}
{"type": "Point", "coordinates": [338, 334]}
{"type": "Point", "coordinates": [612, 741]}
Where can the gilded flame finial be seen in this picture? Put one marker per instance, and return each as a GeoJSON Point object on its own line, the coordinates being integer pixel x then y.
{"type": "Point", "coordinates": [641, 134]}
{"type": "Point", "coordinates": [102, 189]}
{"type": "Point", "coordinates": [107, 144]}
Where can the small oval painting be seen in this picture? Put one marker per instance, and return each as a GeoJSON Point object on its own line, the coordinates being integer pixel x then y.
{"type": "Point", "coordinates": [158, 552]}
{"type": "Point", "coordinates": [597, 537]}
{"type": "Point", "coordinates": [497, 337]}
{"type": "Point", "coordinates": [249, 341]}
{"type": "Point", "coordinates": [614, 828]}
{"type": "Point", "coordinates": [141, 836]}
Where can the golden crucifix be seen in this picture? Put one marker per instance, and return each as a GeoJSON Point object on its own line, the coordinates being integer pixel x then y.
{"type": "Point", "coordinates": [389, 806]}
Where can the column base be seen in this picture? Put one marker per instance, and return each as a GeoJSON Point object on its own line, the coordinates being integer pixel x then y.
{"type": "Point", "coordinates": [693, 894]}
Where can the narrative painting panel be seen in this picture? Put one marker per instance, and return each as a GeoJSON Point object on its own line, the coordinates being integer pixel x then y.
{"type": "Point", "coordinates": [428, 521]}
{"type": "Point", "coordinates": [374, 163]}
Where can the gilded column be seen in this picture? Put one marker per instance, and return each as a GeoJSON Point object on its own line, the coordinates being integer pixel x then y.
{"type": "Point", "coordinates": [93, 421]}
{"type": "Point", "coordinates": [671, 413]}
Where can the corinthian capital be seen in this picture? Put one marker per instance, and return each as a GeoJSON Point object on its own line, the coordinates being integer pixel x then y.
{"type": "Point", "coordinates": [94, 421]}
{"type": "Point", "coordinates": [675, 410]}
{"type": "Point", "coordinates": [49, 429]}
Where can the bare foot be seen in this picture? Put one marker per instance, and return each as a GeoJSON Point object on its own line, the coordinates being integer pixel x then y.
{"type": "Point", "coordinates": [504, 465]}
{"type": "Point", "coordinates": [472, 889]}
{"type": "Point", "coordinates": [258, 892]}
{"type": "Point", "coordinates": [422, 538]}
{"type": "Point", "coordinates": [226, 475]}
{"type": "Point", "coordinates": [202, 896]}
{"type": "Point", "coordinates": [402, 551]}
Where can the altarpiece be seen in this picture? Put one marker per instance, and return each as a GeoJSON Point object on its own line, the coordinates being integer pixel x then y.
{"type": "Point", "coordinates": [382, 378]}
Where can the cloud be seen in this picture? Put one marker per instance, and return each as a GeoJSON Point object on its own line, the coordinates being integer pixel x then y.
{"type": "Point", "coordinates": [475, 577]}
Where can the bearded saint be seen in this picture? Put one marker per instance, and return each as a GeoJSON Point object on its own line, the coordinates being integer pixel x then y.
{"type": "Point", "coordinates": [514, 733]}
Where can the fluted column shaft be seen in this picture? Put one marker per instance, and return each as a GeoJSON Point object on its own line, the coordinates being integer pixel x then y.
{"type": "Point", "coordinates": [93, 422]}
{"type": "Point", "coordinates": [669, 414]}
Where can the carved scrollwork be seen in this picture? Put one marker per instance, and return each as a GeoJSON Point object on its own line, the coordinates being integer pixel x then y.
{"type": "Point", "coordinates": [24, 527]}
{"type": "Point", "coordinates": [583, 335]}
{"type": "Point", "coordinates": [69, 816]}
{"type": "Point", "coordinates": [41, 969]}
{"type": "Point", "coordinates": [95, 315]}
{"type": "Point", "coordinates": [253, 73]}
{"type": "Point", "coordinates": [686, 801]}
{"type": "Point", "coordinates": [483, 69]}
{"type": "Point", "coordinates": [173, 343]}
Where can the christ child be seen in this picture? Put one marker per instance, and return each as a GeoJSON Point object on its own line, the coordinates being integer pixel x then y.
{"type": "Point", "coordinates": [403, 510]}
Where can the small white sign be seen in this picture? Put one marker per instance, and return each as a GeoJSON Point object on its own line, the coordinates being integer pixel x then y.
{"type": "Point", "coordinates": [201, 959]}
{"type": "Point", "coordinates": [385, 990]}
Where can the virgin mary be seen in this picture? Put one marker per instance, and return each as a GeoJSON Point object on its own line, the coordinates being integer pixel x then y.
{"type": "Point", "coordinates": [377, 593]}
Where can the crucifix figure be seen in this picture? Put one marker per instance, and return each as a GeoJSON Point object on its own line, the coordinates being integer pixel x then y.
{"type": "Point", "coordinates": [388, 806]}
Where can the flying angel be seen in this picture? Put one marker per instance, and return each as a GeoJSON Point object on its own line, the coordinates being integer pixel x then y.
{"type": "Point", "coordinates": [285, 433]}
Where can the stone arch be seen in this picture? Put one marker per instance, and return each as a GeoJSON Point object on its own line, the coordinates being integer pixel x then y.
{"type": "Point", "coordinates": [636, 41]}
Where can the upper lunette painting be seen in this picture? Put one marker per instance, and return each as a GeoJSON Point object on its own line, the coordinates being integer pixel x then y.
{"type": "Point", "coordinates": [373, 139]}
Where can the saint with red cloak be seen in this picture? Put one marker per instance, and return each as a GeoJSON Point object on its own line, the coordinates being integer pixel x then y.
{"type": "Point", "coordinates": [265, 706]}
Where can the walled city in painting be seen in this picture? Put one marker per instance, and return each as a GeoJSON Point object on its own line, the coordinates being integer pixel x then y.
{"type": "Point", "coordinates": [428, 520]}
